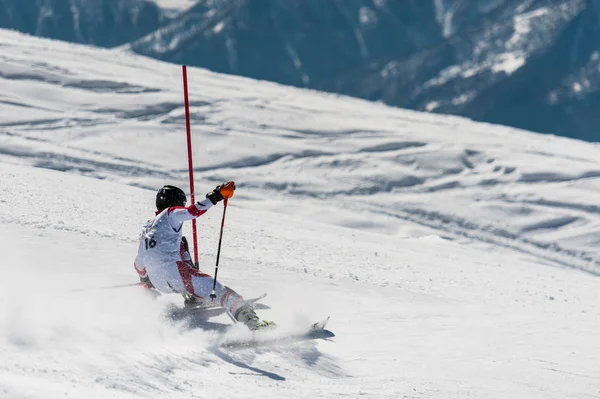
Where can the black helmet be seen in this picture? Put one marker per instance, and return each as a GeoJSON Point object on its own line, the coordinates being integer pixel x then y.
{"type": "Point", "coordinates": [169, 196]}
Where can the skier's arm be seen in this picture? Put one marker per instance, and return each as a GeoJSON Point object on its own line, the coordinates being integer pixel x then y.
{"type": "Point", "coordinates": [141, 270]}
{"type": "Point", "coordinates": [180, 214]}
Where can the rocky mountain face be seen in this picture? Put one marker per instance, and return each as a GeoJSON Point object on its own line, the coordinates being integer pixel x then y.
{"type": "Point", "coordinates": [536, 69]}
{"type": "Point", "coordinates": [104, 23]}
{"type": "Point", "coordinates": [307, 43]}
{"type": "Point", "coordinates": [526, 63]}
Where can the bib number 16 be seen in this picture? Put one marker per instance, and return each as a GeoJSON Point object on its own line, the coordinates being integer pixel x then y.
{"type": "Point", "coordinates": [150, 243]}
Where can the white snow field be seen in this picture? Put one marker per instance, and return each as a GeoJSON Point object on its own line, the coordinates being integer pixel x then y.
{"type": "Point", "coordinates": [175, 5]}
{"type": "Point", "coordinates": [456, 259]}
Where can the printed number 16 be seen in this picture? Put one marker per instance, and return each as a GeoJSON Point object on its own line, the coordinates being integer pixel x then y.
{"type": "Point", "coordinates": [150, 243]}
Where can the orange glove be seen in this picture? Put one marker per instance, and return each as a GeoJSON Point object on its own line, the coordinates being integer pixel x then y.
{"type": "Point", "coordinates": [221, 192]}
{"type": "Point", "coordinates": [227, 189]}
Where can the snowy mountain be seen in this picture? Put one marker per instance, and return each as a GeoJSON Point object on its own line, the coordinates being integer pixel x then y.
{"type": "Point", "coordinates": [529, 64]}
{"type": "Point", "coordinates": [457, 259]}
{"type": "Point", "coordinates": [104, 23]}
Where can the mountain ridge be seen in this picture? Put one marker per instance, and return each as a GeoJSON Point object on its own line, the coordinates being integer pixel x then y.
{"type": "Point", "coordinates": [498, 61]}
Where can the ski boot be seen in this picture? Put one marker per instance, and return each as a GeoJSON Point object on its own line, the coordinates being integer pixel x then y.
{"type": "Point", "coordinates": [191, 301]}
{"type": "Point", "coordinates": [248, 316]}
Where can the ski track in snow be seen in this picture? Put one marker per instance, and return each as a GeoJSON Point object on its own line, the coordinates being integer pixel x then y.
{"type": "Point", "coordinates": [461, 245]}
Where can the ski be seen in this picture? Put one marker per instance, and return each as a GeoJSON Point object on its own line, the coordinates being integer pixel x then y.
{"type": "Point", "coordinates": [267, 338]}
{"type": "Point", "coordinates": [205, 304]}
{"type": "Point", "coordinates": [210, 309]}
{"type": "Point", "coordinates": [320, 325]}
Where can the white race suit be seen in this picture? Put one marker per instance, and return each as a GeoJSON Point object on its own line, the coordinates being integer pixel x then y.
{"type": "Point", "coordinates": [162, 258]}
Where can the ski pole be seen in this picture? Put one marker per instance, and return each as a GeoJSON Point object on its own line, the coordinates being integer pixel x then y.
{"type": "Point", "coordinates": [110, 287]}
{"type": "Point", "coordinates": [213, 294]}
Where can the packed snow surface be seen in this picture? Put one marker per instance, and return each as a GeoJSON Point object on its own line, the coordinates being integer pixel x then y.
{"type": "Point", "coordinates": [456, 259]}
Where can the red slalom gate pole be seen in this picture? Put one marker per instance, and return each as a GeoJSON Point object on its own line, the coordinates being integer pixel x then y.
{"type": "Point", "coordinates": [190, 163]}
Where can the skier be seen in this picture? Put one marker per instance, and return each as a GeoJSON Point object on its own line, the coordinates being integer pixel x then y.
{"type": "Point", "coordinates": [163, 261]}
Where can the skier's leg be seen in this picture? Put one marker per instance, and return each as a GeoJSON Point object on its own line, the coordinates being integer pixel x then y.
{"type": "Point", "coordinates": [185, 252]}
{"type": "Point", "coordinates": [200, 285]}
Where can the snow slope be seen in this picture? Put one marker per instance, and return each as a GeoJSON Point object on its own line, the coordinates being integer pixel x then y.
{"type": "Point", "coordinates": [456, 259]}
